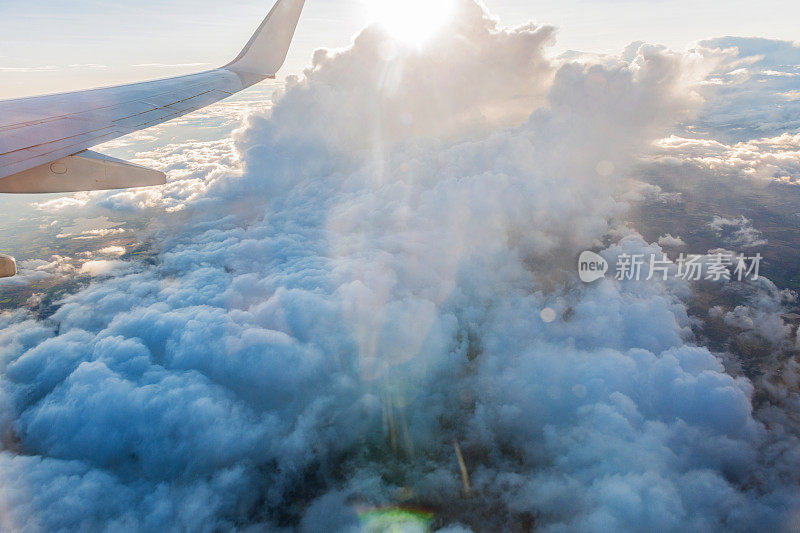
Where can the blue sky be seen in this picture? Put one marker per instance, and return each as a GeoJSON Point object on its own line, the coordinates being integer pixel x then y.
{"type": "Point", "coordinates": [50, 45]}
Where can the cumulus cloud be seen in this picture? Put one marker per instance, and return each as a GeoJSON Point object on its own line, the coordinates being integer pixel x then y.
{"type": "Point", "coordinates": [189, 170]}
{"type": "Point", "coordinates": [748, 86]}
{"type": "Point", "coordinates": [353, 291]}
{"type": "Point", "coordinates": [112, 250]}
{"type": "Point", "coordinates": [100, 267]}
{"type": "Point", "coordinates": [37, 270]}
{"type": "Point", "coordinates": [737, 231]}
{"type": "Point", "coordinates": [399, 91]}
{"type": "Point", "coordinates": [650, 194]}
{"type": "Point", "coordinates": [671, 241]}
{"type": "Point", "coordinates": [64, 202]}
{"type": "Point", "coordinates": [759, 317]}
{"type": "Point", "coordinates": [767, 159]}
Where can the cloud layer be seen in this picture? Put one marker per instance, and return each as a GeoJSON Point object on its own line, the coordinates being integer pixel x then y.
{"type": "Point", "coordinates": [355, 290]}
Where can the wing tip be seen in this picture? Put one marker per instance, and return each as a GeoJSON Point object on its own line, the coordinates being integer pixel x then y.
{"type": "Point", "coordinates": [266, 51]}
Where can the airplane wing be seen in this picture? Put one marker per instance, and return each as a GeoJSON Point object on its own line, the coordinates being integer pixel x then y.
{"type": "Point", "coordinates": [44, 140]}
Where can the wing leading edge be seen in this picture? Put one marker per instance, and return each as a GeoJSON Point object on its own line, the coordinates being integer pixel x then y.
{"type": "Point", "coordinates": [44, 139]}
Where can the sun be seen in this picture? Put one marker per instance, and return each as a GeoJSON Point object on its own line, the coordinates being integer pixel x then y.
{"type": "Point", "coordinates": [411, 21]}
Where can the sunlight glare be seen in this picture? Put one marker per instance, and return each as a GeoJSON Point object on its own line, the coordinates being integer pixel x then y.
{"type": "Point", "coordinates": [411, 21]}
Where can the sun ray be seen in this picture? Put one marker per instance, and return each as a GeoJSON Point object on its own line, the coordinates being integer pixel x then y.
{"type": "Point", "coordinates": [411, 21]}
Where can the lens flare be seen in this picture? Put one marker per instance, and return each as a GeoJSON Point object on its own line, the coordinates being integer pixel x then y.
{"type": "Point", "coordinates": [395, 519]}
{"type": "Point", "coordinates": [411, 21]}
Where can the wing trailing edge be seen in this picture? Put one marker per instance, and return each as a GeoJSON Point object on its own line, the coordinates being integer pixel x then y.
{"type": "Point", "coordinates": [84, 171]}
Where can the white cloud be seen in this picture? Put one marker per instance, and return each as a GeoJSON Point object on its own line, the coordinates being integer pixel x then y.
{"type": "Point", "coordinates": [96, 233]}
{"type": "Point", "coordinates": [747, 101]}
{"type": "Point", "coordinates": [112, 250]}
{"type": "Point", "coordinates": [64, 202]}
{"type": "Point", "coordinates": [358, 282]}
{"type": "Point", "coordinates": [650, 194]}
{"type": "Point", "coordinates": [737, 231]}
{"type": "Point", "coordinates": [775, 158]}
{"type": "Point", "coordinates": [47, 68]}
{"type": "Point", "coordinates": [100, 267]}
{"type": "Point", "coordinates": [671, 242]}
{"type": "Point", "coordinates": [779, 73]}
